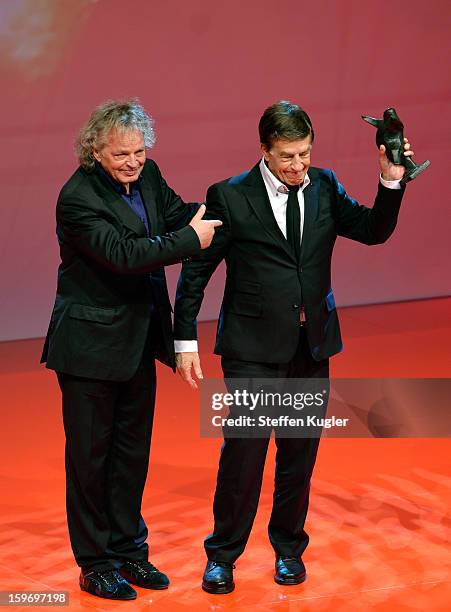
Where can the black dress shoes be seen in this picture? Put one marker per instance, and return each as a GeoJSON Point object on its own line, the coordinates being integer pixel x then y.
{"type": "Point", "coordinates": [108, 584]}
{"type": "Point", "coordinates": [289, 570]}
{"type": "Point", "coordinates": [218, 577]}
{"type": "Point", "coordinates": [144, 574]}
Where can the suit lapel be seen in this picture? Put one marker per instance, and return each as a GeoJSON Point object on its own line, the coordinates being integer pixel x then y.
{"type": "Point", "coordinates": [120, 207]}
{"type": "Point", "coordinates": [311, 204]}
{"type": "Point", "coordinates": [255, 191]}
{"type": "Point", "coordinates": [150, 205]}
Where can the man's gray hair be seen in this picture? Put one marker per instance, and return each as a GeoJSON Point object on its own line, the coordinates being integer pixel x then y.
{"type": "Point", "coordinates": [119, 115]}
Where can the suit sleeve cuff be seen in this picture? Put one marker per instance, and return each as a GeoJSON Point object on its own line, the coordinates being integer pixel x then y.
{"type": "Point", "coordinates": [186, 346]}
{"type": "Point", "coordinates": [190, 241]}
{"type": "Point", "coordinates": [390, 184]}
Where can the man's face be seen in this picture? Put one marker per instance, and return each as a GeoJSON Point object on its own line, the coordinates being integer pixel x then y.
{"type": "Point", "coordinates": [123, 156]}
{"type": "Point", "coordinates": [289, 160]}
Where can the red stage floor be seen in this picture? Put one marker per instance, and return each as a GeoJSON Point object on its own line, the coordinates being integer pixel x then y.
{"type": "Point", "coordinates": [379, 518]}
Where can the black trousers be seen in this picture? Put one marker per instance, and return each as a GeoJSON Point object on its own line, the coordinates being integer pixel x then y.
{"type": "Point", "coordinates": [241, 467]}
{"type": "Point", "coordinates": [108, 427]}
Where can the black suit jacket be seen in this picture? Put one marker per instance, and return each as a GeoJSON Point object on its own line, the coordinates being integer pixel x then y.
{"type": "Point", "coordinates": [265, 286]}
{"type": "Point", "coordinates": [111, 275]}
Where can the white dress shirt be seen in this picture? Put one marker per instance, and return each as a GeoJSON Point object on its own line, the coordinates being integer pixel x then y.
{"type": "Point", "coordinates": [278, 198]}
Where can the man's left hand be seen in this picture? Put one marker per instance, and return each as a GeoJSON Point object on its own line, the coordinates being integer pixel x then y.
{"type": "Point", "coordinates": [389, 170]}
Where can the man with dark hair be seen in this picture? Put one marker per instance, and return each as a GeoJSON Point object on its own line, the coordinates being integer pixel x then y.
{"type": "Point", "coordinates": [278, 318]}
{"type": "Point", "coordinates": [284, 121]}
{"type": "Point", "coordinates": [118, 225]}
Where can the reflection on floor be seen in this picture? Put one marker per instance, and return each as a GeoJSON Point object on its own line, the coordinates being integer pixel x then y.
{"type": "Point", "coordinates": [379, 517]}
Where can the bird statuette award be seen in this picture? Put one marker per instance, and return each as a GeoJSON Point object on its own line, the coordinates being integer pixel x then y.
{"type": "Point", "coordinates": [390, 134]}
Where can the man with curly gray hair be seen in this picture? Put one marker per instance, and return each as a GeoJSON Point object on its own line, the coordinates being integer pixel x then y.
{"type": "Point", "coordinates": [118, 225]}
